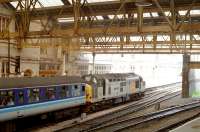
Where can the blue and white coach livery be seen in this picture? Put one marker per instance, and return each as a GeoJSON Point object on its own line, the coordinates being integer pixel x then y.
{"type": "Point", "coordinates": [22, 97]}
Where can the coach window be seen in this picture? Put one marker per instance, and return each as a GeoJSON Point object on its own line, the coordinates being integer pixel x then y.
{"type": "Point", "coordinates": [62, 92]}
{"type": "Point", "coordinates": [21, 97]}
{"type": "Point", "coordinates": [68, 88]}
{"type": "Point", "coordinates": [33, 95]}
{"type": "Point", "coordinates": [83, 88]}
{"type": "Point", "coordinates": [10, 98]}
{"type": "Point", "coordinates": [50, 93]}
{"type": "Point", "coordinates": [76, 91]}
{"type": "Point", "coordinates": [82, 93]}
{"type": "Point", "coordinates": [3, 98]}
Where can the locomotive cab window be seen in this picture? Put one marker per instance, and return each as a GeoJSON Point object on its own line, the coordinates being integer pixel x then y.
{"type": "Point", "coordinates": [121, 89]}
{"type": "Point", "coordinates": [137, 84]}
{"type": "Point", "coordinates": [109, 90]}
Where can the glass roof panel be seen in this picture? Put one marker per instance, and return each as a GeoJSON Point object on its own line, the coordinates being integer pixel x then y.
{"type": "Point", "coordinates": [146, 15]}
{"type": "Point", "coordinates": [95, 1]}
{"type": "Point", "coordinates": [111, 16]}
{"type": "Point", "coordinates": [99, 17]}
{"type": "Point", "coordinates": [69, 19]}
{"type": "Point", "coordinates": [41, 3]}
{"type": "Point", "coordinates": [14, 4]}
{"type": "Point", "coordinates": [154, 14]}
{"type": "Point", "coordinates": [182, 12]}
{"type": "Point", "coordinates": [195, 12]}
{"type": "Point", "coordinates": [120, 16]}
{"type": "Point", "coordinates": [167, 13]}
{"type": "Point", "coordinates": [49, 3]}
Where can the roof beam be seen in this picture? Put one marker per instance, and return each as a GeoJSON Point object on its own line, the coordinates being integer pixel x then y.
{"type": "Point", "coordinates": [101, 9]}
{"type": "Point", "coordinates": [66, 2]}
{"type": "Point", "coordinates": [161, 9]}
{"type": "Point", "coordinates": [5, 1]}
{"type": "Point", "coordinates": [99, 31]}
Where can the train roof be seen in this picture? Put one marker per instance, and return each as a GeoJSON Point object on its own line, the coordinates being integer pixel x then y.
{"type": "Point", "coordinates": [114, 75]}
{"type": "Point", "coordinates": [19, 82]}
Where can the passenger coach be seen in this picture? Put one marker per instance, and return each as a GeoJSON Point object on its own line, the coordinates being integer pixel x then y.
{"type": "Point", "coordinates": [21, 97]}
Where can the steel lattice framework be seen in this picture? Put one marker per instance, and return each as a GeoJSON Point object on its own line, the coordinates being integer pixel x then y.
{"type": "Point", "coordinates": [165, 30]}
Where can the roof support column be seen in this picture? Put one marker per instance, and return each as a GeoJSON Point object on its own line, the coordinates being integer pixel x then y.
{"type": "Point", "coordinates": [93, 63]}
{"type": "Point", "coordinates": [154, 41]}
{"type": "Point", "coordinates": [185, 75]}
{"type": "Point", "coordinates": [76, 7]}
{"type": "Point", "coordinates": [173, 14]}
{"type": "Point", "coordinates": [140, 18]}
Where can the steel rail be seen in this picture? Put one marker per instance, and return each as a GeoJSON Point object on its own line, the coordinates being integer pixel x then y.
{"type": "Point", "coordinates": [160, 114]}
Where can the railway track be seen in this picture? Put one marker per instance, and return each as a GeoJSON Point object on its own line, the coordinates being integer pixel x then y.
{"type": "Point", "coordinates": [160, 88]}
{"type": "Point", "coordinates": [151, 99]}
{"type": "Point", "coordinates": [149, 119]}
{"type": "Point", "coordinates": [142, 119]}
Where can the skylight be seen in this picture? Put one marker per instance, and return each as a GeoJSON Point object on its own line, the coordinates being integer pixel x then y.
{"type": "Point", "coordinates": [146, 15]}
{"type": "Point", "coordinates": [99, 17]}
{"type": "Point", "coordinates": [111, 16]}
{"type": "Point", "coordinates": [95, 1]}
{"type": "Point", "coordinates": [135, 15]}
{"type": "Point", "coordinates": [135, 38]}
{"type": "Point", "coordinates": [69, 19]}
{"type": "Point", "coordinates": [195, 12]}
{"type": "Point", "coordinates": [183, 12]}
{"type": "Point", "coordinates": [167, 13]}
{"type": "Point", "coordinates": [49, 3]}
{"type": "Point", "coordinates": [154, 14]}
{"type": "Point", "coordinates": [41, 3]}
{"type": "Point", "coordinates": [120, 16]}
{"type": "Point", "coordinates": [14, 4]}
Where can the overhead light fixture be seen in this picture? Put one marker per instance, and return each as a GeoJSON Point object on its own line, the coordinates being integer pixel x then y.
{"type": "Point", "coordinates": [143, 3]}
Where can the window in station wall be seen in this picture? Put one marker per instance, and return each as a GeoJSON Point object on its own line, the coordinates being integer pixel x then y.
{"type": "Point", "coordinates": [4, 23]}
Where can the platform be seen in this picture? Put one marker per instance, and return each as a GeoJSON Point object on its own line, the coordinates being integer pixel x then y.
{"type": "Point", "coordinates": [191, 126]}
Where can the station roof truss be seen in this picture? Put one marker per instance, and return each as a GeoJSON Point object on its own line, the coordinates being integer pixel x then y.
{"type": "Point", "coordinates": [108, 26]}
